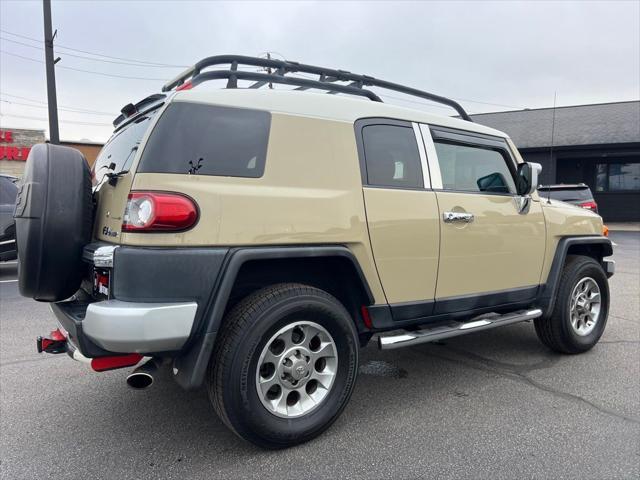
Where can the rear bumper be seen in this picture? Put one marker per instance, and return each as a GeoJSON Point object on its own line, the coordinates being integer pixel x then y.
{"type": "Point", "coordinates": [609, 267]}
{"type": "Point", "coordinates": [126, 327]}
{"type": "Point", "coordinates": [157, 298]}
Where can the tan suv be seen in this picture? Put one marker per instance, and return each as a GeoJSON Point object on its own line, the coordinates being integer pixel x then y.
{"type": "Point", "coordinates": [254, 239]}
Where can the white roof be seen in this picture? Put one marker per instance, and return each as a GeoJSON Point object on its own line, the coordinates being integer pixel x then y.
{"type": "Point", "coordinates": [320, 105]}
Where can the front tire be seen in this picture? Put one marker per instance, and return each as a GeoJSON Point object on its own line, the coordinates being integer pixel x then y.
{"type": "Point", "coordinates": [580, 310]}
{"type": "Point", "coordinates": [284, 366]}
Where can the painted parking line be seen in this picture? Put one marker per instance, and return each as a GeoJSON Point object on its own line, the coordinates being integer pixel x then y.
{"type": "Point", "coordinates": [8, 281]}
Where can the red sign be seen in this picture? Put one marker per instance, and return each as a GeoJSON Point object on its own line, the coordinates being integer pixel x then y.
{"type": "Point", "coordinates": [12, 153]}
{"type": "Point", "coordinates": [6, 136]}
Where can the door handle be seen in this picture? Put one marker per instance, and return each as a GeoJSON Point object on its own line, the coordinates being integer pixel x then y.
{"type": "Point", "coordinates": [457, 217]}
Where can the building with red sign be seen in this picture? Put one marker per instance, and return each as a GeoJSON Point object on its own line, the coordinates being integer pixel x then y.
{"type": "Point", "coordinates": [15, 144]}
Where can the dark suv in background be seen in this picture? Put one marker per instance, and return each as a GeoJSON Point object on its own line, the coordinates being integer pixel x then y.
{"type": "Point", "coordinates": [578, 194]}
{"type": "Point", "coordinates": [8, 192]}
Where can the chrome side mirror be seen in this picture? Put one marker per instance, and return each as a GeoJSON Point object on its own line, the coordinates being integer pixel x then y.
{"type": "Point", "coordinates": [527, 178]}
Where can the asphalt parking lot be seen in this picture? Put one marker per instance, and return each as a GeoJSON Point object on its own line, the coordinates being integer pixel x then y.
{"type": "Point", "coordinates": [494, 404]}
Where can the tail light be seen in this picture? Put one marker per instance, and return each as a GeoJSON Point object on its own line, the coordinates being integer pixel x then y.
{"type": "Point", "coordinates": [159, 212]}
{"type": "Point", "coordinates": [593, 206]}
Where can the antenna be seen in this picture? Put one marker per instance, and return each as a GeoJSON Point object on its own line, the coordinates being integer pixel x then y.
{"type": "Point", "coordinates": [269, 70]}
{"type": "Point", "coordinates": [553, 131]}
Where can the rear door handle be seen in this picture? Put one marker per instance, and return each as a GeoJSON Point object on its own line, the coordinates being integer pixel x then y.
{"type": "Point", "coordinates": [457, 217]}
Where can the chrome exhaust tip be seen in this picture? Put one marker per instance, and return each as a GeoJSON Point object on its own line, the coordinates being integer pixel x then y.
{"type": "Point", "coordinates": [142, 377]}
{"type": "Point", "coordinates": [139, 380]}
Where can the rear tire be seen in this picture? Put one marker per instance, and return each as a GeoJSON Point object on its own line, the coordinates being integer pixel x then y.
{"type": "Point", "coordinates": [580, 310]}
{"type": "Point", "coordinates": [307, 334]}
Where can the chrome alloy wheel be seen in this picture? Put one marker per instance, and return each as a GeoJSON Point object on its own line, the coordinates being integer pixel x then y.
{"type": "Point", "coordinates": [585, 306]}
{"type": "Point", "coordinates": [296, 369]}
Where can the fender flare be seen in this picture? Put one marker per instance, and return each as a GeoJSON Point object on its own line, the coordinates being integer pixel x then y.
{"type": "Point", "coordinates": [190, 368]}
{"type": "Point", "coordinates": [547, 296]}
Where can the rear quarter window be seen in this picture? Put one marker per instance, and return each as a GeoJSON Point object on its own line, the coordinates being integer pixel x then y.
{"type": "Point", "coordinates": [198, 139]}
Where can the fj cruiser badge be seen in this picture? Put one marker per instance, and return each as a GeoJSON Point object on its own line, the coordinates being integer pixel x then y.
{"type": "Point", "coordinates": [108, 232]}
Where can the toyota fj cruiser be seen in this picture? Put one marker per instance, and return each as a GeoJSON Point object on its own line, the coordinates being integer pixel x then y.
{"type": "Point", "coordinates": [253, 239]}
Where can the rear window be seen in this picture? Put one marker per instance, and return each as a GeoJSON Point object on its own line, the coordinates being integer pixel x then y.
{"type": "Point", "coordinates": [208, 140]}
{"type": "Point", "coordinates": [567, 194]}
{"type": "Point", "coordinates": [120, 149]}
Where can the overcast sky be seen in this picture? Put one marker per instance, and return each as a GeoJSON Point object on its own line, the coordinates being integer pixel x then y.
{"type": "Point", "coordinates": [508, 55]}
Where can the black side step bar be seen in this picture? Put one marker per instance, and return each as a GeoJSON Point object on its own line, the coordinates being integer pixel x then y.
{"type": "Point", "coordinates": [439, 332]}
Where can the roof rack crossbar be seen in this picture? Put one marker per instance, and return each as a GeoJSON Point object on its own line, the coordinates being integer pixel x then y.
{"type": "Point", "coordinates": [327, 78]}
{"type": "Point", "coordinates": [271, 78]}
{"type": "Point", "coordinates": [321, 78]}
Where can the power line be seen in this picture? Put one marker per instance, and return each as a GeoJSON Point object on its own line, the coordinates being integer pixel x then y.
{"type": "Point", "coordinates": [79, 110]}
{"type": "Point", "coordinates": [146, 63]}
{"type": "Point", "coordinates": [84, 57]}
{"type": "Point", "coordinates": [59, 108]}
{"type": "Point", "coordinates": [85, 71]}
{"type": "Point", "coordinates": [61, 121]}
{"type": "Point", "coordinates": [96, 54]}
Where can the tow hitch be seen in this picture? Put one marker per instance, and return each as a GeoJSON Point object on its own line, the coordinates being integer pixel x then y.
{"type": "Point", "coordinates": [55, 343]}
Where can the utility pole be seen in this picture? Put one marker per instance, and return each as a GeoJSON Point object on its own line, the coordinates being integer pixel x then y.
{"type": "Point", "coordinates": [54, 134]}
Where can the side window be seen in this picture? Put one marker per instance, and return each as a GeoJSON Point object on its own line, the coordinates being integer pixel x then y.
{"type": "Point", "coordinates": [473, 169]}
{"type": "Point", "coordinates": [391, 156]}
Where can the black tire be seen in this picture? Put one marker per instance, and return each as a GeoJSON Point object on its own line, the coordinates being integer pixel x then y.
{"type": "Point", "coordinates": [556, 331]}
{"type": "Point", "coordinates": [231, 379]}
{"type": "Point", "coordinates": [54, 215]}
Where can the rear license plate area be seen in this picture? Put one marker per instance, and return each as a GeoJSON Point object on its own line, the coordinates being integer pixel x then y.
{"type": "Point", "coordinates": [101, 282]}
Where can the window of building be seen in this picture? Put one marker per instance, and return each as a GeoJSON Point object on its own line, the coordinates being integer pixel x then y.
{"type": "Point", "coordinates": [392, 157]}
{"type": "Point", "coordinates": [474, 169]}
{"type": "Point", "coordinates": [617, 177]}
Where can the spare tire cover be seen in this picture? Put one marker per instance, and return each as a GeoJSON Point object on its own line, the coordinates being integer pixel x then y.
{"type": "Point", "coordinates": [54, 215]}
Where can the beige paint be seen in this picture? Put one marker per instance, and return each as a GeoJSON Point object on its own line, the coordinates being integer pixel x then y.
{"type": "Point", "coordinates": [563, 219]}
{"type": "Point", "coordinates": [111, 200]}
{"type": "Point", "coordinates": [404, 231]}
{"type": "Point", "coordinates": [340, 108]}
{"type": "Point", "coordinates": [499, 250]}
{"type": "Point", "coordinates": [311, 193]}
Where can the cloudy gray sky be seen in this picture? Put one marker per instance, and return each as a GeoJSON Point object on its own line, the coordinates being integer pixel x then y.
{"type": "Point", "coordinates": [491, 56]}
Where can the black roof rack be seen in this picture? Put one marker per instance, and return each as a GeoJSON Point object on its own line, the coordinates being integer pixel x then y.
{"type": "Point", "coordinates": [326, 80]}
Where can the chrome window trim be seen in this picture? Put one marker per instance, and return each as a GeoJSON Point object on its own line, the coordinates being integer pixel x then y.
{"type": "Point", "coordinates": [426, 177]}
{"type": "Point", "coordinates": [432, 157]}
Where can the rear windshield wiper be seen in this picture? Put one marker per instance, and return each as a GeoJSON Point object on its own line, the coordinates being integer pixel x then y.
{"type": "Point", "coordinates": [113, 176]}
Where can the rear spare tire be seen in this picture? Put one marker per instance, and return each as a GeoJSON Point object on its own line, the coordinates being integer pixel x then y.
{"type": "Point", "coordinates": [53, 216]}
